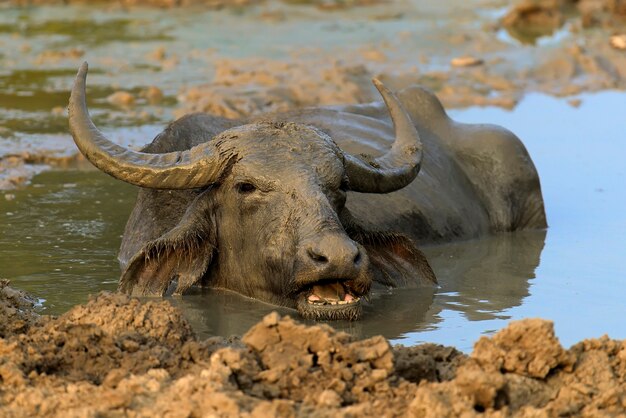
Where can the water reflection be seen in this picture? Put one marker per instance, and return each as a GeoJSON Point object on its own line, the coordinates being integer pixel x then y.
{"type": "Point", "coordinates": [60, 238]}
{"type": "Point", "coordinates": [480, 279]}
{"type": "Point", "coordinates": [483, 278]}
{"type": "Point", "coordinates": [542, 36]}
{"type": "Point", "coordinates": [579, 153]}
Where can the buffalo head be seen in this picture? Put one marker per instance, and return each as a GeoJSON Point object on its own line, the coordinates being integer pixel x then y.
{"type": "Point", "coordinates": [266, 215]}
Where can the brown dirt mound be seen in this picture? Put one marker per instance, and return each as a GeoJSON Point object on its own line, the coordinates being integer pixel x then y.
{"type": "Point", "coordinates": [523, 371]}
{"type": "Point", "coordinates": [244, 87]}
{"type": "Point", "coordinates": [247, 87]}
{"type": "Point", "coordinates": [18, 169]}
{"type": "Point", "coordinates": [16, 311]}
{"type": "Point", "coordinates": [533, 18]}
{"type": "Point", "coordinates": [116, 356]}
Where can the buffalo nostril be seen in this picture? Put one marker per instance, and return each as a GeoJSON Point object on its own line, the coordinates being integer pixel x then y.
{"type": "Point", "coordinates": [319, 258]}
{"type": "Point", "coordinates": [357, 258]}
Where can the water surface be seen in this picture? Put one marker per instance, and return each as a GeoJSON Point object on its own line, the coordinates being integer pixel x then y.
{"type": "Point", "coordinates": [581, 280]}
{"type": "Point", "coordinates": [60, 237]}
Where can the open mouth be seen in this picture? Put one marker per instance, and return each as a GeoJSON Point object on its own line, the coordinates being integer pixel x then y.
{"type": "Point", "coordinates": [330, 300]}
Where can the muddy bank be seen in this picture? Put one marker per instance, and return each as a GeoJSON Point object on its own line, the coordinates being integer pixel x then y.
{"type": "Point", "coordinates": [16, 170]}
{"type": "Point", "coordinates": [531, 19]}
{"type": "Point", "coordinates": [16, 311]}
{"type": "Point", "coordinates": [251, 86]}
{"type": "Point", "coordinates": [180, 61]}
{"type": "Point", "coordinates": [118, 356]}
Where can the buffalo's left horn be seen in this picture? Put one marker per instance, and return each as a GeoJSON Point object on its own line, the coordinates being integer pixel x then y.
{"type": "Point", "coordinates": [400, 165]}
{"type": "Point", "coordinates": [193, 168]}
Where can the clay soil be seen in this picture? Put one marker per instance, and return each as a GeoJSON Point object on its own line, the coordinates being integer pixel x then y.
{"type": "Point", "coordinates": [117, 356]}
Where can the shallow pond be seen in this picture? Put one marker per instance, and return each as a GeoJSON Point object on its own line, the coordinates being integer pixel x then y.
{"type": "Point", "coordinates": [59, 238]}
{"type": "Point", "coordinates": [59, 235]}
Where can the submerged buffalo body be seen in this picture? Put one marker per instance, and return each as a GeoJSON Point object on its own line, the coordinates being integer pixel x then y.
{"type": "Point", "coordinates": [309, 208]}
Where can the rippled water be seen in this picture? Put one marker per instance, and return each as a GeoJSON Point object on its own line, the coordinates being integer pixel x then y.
{"type": "Point", "coordinates": [59, 236]}
{"type": "Point", "coordinates": [59, 239]}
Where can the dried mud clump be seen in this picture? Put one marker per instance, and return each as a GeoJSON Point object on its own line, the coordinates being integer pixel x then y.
{"type": "Point", "coordinates": [603, 13]}
{"type": "Point", "coordinates": [17, 170]}
{"type": "Point", "coordinates": [116, 356]}
{"type": "Point", "coordinates": [529, 19]}
{"type": "Point", "coordinates": [429, 362]}
{"type": "Point", "coordinates": [515, 350]}
{"type": "Point", "coordinates": [16, 311]}
{"type": "Point", "coordinates": [245, 87]}
{"type": "Point", "coordinates": [523, 371]}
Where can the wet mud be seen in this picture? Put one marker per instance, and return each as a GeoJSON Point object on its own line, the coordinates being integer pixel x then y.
{"type": "Point", "coordinates": [243, 87]}
{"type": "Point", "coordinates": [16, 170]}
{"type": "Point", "coordinates": [117, 356]}
{"type": "Point", "coordinates": [17, 313]}
{"type": "Point", "coordinates": [559, 47]}
{"type": "Point", "coordinates": [531, 19]}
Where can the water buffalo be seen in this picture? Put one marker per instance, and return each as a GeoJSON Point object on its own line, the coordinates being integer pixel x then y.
{"type": "Point", "coordinates": [309, 208]}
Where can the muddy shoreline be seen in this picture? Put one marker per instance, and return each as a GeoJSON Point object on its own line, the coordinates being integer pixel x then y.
{"type": "Point", "coordinates": [117, 356]}
{"type": "Point", "coordinates": [488, 61]}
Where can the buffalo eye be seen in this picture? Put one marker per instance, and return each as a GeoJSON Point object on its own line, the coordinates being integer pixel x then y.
{"type": "Point", "coordinates": [245, 187]}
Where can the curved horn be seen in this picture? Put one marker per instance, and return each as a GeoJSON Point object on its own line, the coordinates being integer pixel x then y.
{"type": "Point", "coordinates": [196, 167]}
{"type": "Point", "coordinates": [400, 165]}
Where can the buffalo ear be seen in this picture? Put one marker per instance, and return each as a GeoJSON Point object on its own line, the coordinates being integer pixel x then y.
{"type": "Point", "coordinates": [394, 258]}
{"type": "Point", "coordinates": [182, 254]}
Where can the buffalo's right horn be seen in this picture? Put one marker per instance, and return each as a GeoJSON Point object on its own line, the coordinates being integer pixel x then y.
{"type": "Point", "coordinates": [193, 168]}
{"type": "Point", "coordinates": [400, 165]}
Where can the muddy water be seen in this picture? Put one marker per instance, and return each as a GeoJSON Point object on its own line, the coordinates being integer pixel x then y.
{"type": "Point", "coordinates": [59, 235]}
{"type": "Point", "coordinates": [579, 153]}
{"type": "Point", "coordinates": [573, 273]}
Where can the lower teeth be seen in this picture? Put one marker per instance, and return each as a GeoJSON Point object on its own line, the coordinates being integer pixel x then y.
{"type": "Point", "coordinates": [332, 302]}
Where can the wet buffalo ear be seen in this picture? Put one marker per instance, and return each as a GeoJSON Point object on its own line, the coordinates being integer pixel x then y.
{"type": "Point", "coordinates": [394, 258]}
{"type": "Point", "coordinates": [181, 255]}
